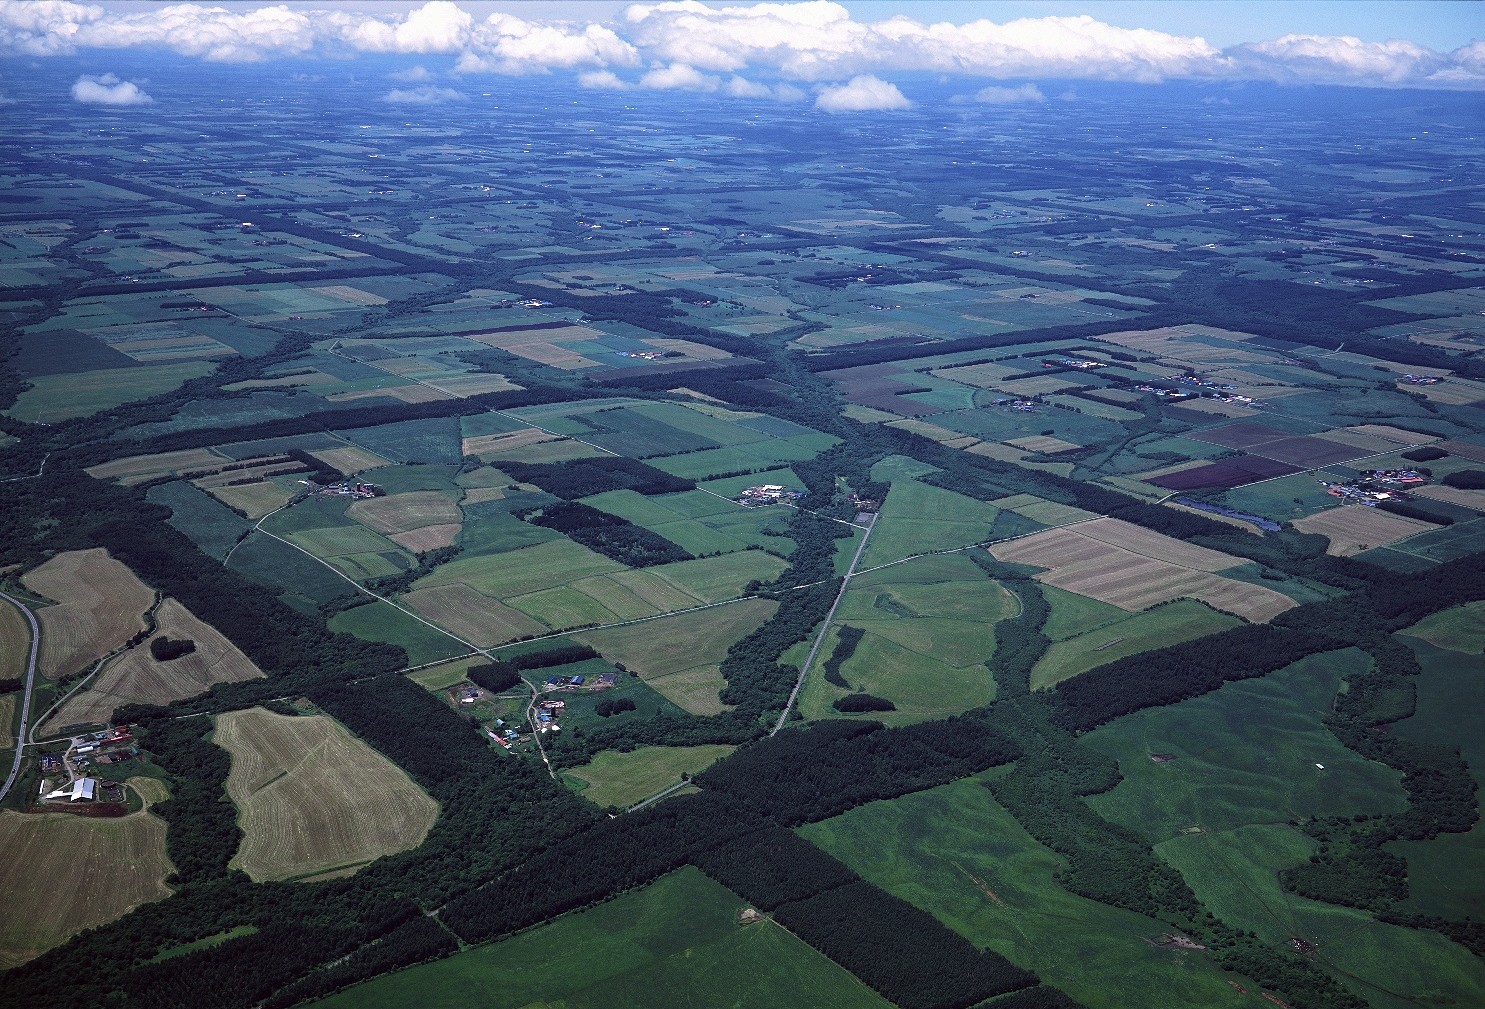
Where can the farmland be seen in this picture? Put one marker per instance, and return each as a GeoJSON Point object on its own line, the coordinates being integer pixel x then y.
{"type": "Point", "coordinates": [302, 785]}
{"type": "Point", "coordinates": [99, 604]}
{"type": "Point", "coordinates": [1352, 529]}
{"type": "Point", "coordinates": [136, 677]}
{"type": "Point", "coordinates": [622, 779]}
{"type": "Point", "coordinates": [673, 943]}
{"type": "Point", "coordinates": [71, 873]}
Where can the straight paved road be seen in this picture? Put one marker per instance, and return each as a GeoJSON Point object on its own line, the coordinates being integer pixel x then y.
{"type": "Point", "coordinates": [20, 739]}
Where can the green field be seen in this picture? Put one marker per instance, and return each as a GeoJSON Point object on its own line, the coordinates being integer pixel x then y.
{"type": "Point", "coordinates": [1461, 629]}
{"type": "Point", "coordinates": [958, 854]}
{"type": "Point", "coordinates": [917, 518]}
{"type": "Point", "coordinates": [60, 397]}
{"type": "Point", "coordinates": [302, 581]}
{"type": "Point", "coordinates": [1176, 621]}
{"type": "Point", "coordinates": [619, 779]}
{"type": "Point", "coordinates": [1073, 614]}
{"type": "Point", "coordinates": [675, 943]}
{"type": "Point", "coordinates": [1235, 873]}
{"type": "Point", "coordinates": [211, 525]}
{"type": "Point", "coordinates": [377, 621]}
{"type": "Point", "coordinates": [445, 674]}
{"type": "Point", "coordinates": [1243, 754]}
{"type": "Point", "coordinates": [519, 572]}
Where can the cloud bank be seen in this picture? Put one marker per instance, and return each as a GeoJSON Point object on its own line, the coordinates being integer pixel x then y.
{"type": "Point", "coordinates": [762, 51]}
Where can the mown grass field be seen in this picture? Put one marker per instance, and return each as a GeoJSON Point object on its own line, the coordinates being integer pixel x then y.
{"type": "Point", "coordinates": [60, 397]}
{"type": "Point", "coordinates": [958, 854]}
{"type": "Point", "coordinates": [378, 621]}
{"type": "Point", "coordinates": [1235, 873]}
{"type": "Point", "coordinates": [675, 944]}
{"type": "Point", "coordinates": [100, 603]}
{"type": "Point", "coordinates": [1243, 754]}
{"type": "Point", "coordinates": [8, 706]}
{"type": "Point", "coordinates": [1461, 629]}
{"type": "Point", "coordinates": [1176, 621]}
{"type": "Point", "coordinates": [445, 674]}
{"type": "Point", "coordinates": [916, 518]}
{"type": "Point", "coordinates": [62, 874]}
{"type": "Point", "coordinates": [15, 642]}
{"type": "Point", "coordinates": [621, 779]}
{"type": "Point", "coordinates": [136, 678]}
{"type": "Point", "coordinates": [1073, 614]}
{"type": "Point", "coordinates": [312, 798]}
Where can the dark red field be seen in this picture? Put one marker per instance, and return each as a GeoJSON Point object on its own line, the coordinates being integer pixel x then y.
{"type": "Point", "coordinates": [1306, 452]}
{"type": "Point", "coordinates": [1243, 434]}
{"type": "Point", "coordinates": [1227, 473]}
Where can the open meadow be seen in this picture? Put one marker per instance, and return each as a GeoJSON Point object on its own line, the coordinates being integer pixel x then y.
{"type": "Point", "coordinates": [62, 874]}
{"type": "Point", "coordinates": [673, 944]}
{"type": "Point", "coordinates": [621, 779]}
{"type": "Point", "coordinates": [100, 604]}
{"type": "Point", "coordinates": [137, 677]}
{"type": "Point", "coordinates": [314, 800]}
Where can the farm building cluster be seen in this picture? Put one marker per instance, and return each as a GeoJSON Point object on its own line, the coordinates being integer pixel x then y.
{"type": "Point", "coordinates": [767, 494]}
{"type": "Point", "coordinates": [346, 488]}
{"type": "Point", "coordinates": [66, 778]}
{"type": "Point", "coordinates": [1375, 486]}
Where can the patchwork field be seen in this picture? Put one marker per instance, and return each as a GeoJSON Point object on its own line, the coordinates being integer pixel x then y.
{"type": "Point", "coordinates": [619, 779]}
{"type": "Point", "coordinates": [1354, 528]}
{"type": "Point", "coordinates": [679, 655]}
{"type": "Point", "coordinates": [138, 468]}
{"type": "Point", "coordinates": [313, 799]}
{"type": "Point", "coordinates": [1133, 572]}
{"type": "Point", "coordinates": [100, 604]}
{"type": "Point", "coordinates": [137, 678]}
{"type": "Point", "coordinates": [62, 874]}
{"type": "Point", "coordinates": [674, 943]}
{"type": "Point", "coordinates": [415, 511]}
{"type": "Point", "coordinates": [958, 854]}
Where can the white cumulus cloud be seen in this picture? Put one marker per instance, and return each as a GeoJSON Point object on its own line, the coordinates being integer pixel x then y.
{"type": "Point", "coordinates": [1010, 96]}
{"type": "Point", "coordinates": [602, 80]}
{"type": "Point", "coordinates": [862, 93]}
{"type": "Point", "coordinates": [1335, 60]}
{"type": "Point", "coordinates": [439, 26]}
{"type": "Point", "coordinates": [422, 96]}
{"type": "Point", "coordinates": [505, 44]}
{"type": "Point", "coordinates": [679, 77]}
{"type": "Point", "coordinates": [107, 89]}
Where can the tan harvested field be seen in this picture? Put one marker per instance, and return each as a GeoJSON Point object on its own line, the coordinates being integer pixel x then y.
{"type": "Point", "coordinates": [557, 450]}
{"type": "Point", "coordinates": [474, 617]}
{"type": "Point", "coordinates": [1451, 392]}
{"type": "Point", "coordinates": [311, 798]}
{"type": "Point", "coordinates": [410, 393]}
{"type": "Point", "coordinates": [942, 435]}
{"type": "Point", "coordinates": [400, 513]}
{"type": "Point", "coordinates": [100, 605]}
{"type": "Point", "coordinates": [138, 468]}
{"type": "Point", "coordinates": [15, 642]}
{"type": "Point", "coordinates": [697, 690]}
{"type": "Point", "coordinates": [1219, 409]}
{"type": "Point", "coordinates": [7, 718]}
{"type": "Point", "coordinates": [983, 376]}
{"type": "Point", "coordinates": [354, 295]}
{"type": "Point", "coordinates": [479, 495]}
{"type": "Point", "coordinates": [427, 538]}
{"type": "Point", "coordinates": [1136, 539]}
{"type": "Point", "coordinates": [62, 874]}
{"type": "Point", "coordinates": [350, 459]}
{"type": "Point", "coordinates": [1156, 339]}
{"type": "Point", "coordinates": [135, 676]}
{"type": "Point", "coordinates": [464, 386]}
{"type": "Point", "coordinates": [1397, 435]}
{"type": "Point", "coordinates": [253, 499]}
{"type": "Point", "coordinates": [151, 790]}
{"type": "Point", "coordinates": [261, 472]}
{"type": "Point", "coordinates": [1135, 581]}
{"type": "Point", "coordinates": [1354, 528]}
{"type": "Point", "coordinates": [1045, 444]}
{"type": "Point", "coordinates": [496, 444]}
{"type": "Point", "coordinates": [1035, 386]}
{"type": "Point", "coordinates": [1454, 495]}
{"type": "Point", "coordinates": [1358, 439]}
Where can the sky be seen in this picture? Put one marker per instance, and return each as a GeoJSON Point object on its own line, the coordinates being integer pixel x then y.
{"type": "Point", "coordinates": [843, 57]}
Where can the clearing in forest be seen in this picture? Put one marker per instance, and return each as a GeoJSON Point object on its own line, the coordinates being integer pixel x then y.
{"type": "Point", "coordinates": [100, 605]}
{"type": "Point", "coordinates": [136, 677]}
{"type": "Point", "coordinates": [312, 799]}
{"type": "Point", "coordinates": [62, 874]}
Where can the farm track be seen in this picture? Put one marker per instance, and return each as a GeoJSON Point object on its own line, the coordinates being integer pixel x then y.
{"type": "Point", "coordinates": [20, 739]}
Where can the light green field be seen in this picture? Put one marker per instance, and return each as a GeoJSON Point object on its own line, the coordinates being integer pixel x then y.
{"type": "Point", "coordinates": [619, 779]}
{"type": "Point", "coordinates": [675, 944]}
{"type": "Point", "coordinates": [1235, 873]}
{"type": "Point", "coordinates": [445, 674]}
{"type": "Point", "coordinates": [519, 572]}
{"type": "Point", "coordinates": [60, 397]}
{"type": "Point", "coordinates": [377, 621]}
{"type": "Point", "coordinates": [917, 518]}
{"type": "Point", "coordinates": [1176, 621]}
{"type": "Point", "coordinates": [713, 579]}
{"type": "Point", "coordinates": [1461, 629]}
{"type": "Point", "coordinates": [958, 854]}
{"type": "Point", "coordinates": [341, 541]}
{"type": "Point", "coordinates": [1073, 614]}
{"type": "Point", "coordinates": [563, 607]}
{"type": "Point", "coordinates": [1243, 754]}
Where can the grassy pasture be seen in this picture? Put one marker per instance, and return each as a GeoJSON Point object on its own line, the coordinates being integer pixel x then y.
{"type": "Point", "coordinates": [100, 604]}
{"type": "Point", "coordinates": [62, 874]}
{"type": "Point", "coordinates": [445, 674]}
{"type": "Point", "coordinates": [210, 524]}
{"type": "Point", "coordinates": [1073, 614]}
{"type": "Point", "coordinates": [1243, 754]}
{"type": "Point", "coordinates": [15, 642]}
{"type": "Point", "coordinates": [400, 513]}
{"type": "Point", "coordinates": [135, 676]}
{"type": "Point", "coordinates": [254, 499]}
{"type": "Point", "coordinates": [955, 852]}
{"type": "Point", "coordinates": [916, 518]}
{"type": "Point", "coordinates": [378, 621]}
{"type": "Point", "coordinates": [673, 944]}
{"type": "Point", "coordinates": [529, 569]}
{"type": "Point", "coordinates": [301, 581]}
{"type": "Point", "coordinates": [1460, 629]}
{"type": "Point", "coordinates": [713, 579]}
{"type": "Point", "coordinates": [61, 397]}
{"type": "Point", "coordinates": [312, 798]}
{"type": "Point", "coordinates": [619, 779]}
{"type": "Point", "coordinates": [1177, 621]}
{"type": "Point", "coordinates": [1235, 873]}
{"type": "Point", "coordinates": [477, 618]}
